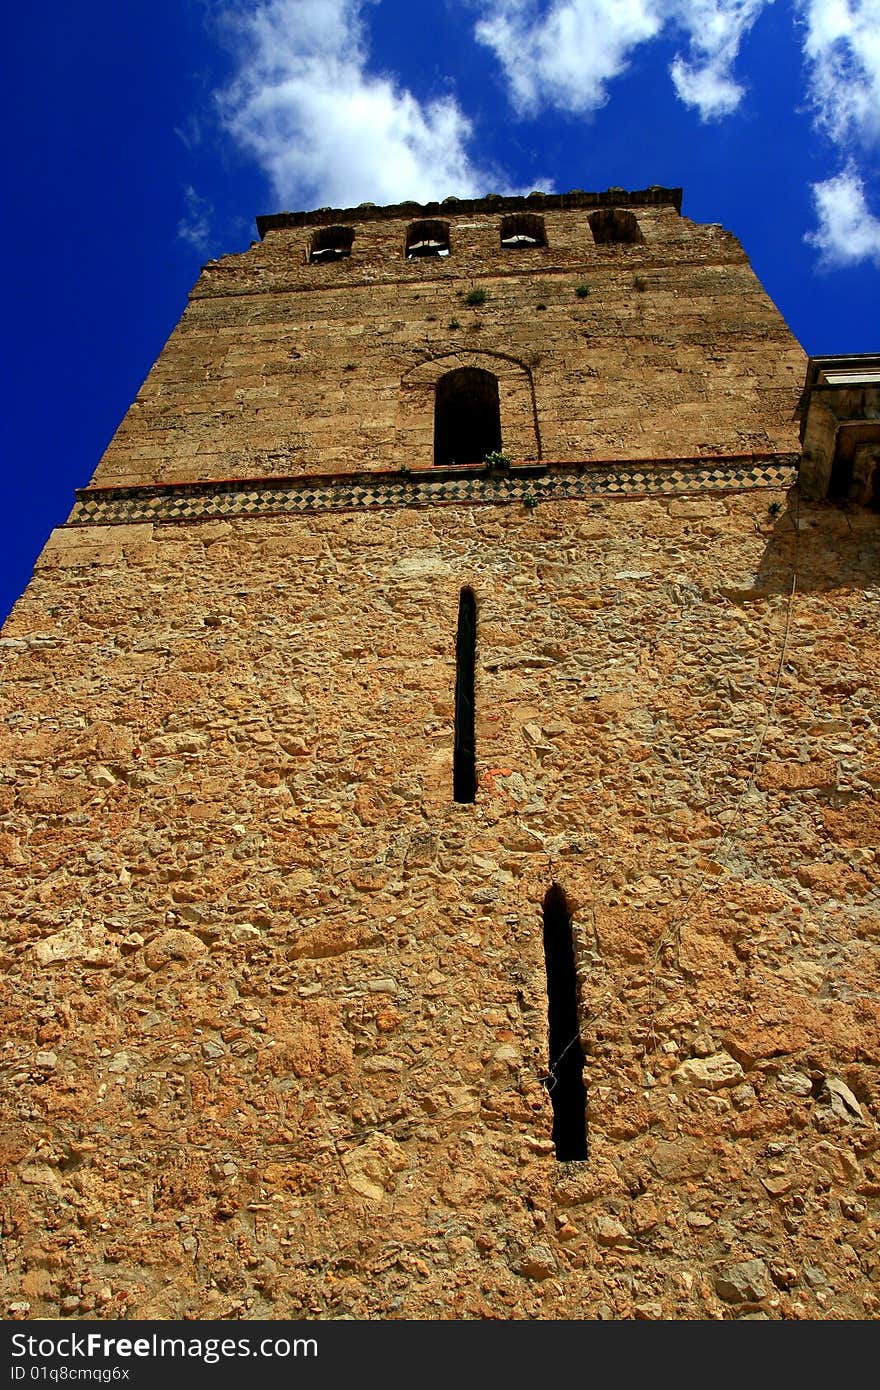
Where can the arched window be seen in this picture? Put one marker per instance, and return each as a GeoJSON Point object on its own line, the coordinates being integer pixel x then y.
{"type": "Point", "coordinates": [566, 1079]}
{"type": "Point", "coordinates": [331, 244]}
{"type": "Point", "coordinates": [429, 238]}
{"type": "Point", "coordinates": [464, 775]}
{"type": "Point", "coordinates": [522, 229]}
{"type": "Point", "coordinates": [614, 224]}
{"type": "Point", "coordinates": [467, 417]}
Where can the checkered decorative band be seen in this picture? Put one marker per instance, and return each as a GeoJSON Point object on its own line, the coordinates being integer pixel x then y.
{"type": "Point", "coordinates": [364, 491]}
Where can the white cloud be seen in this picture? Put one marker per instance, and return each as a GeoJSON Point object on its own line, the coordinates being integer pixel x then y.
{"type": "Point", "coordinates": [195, 225]}
{"type": "Point", "coordinates": [324, 129]}
{"type": "Point", "coordinates": [842, 49]}
{"type": "Point", "coordinates": [189, 133]}
{"type": "Point", "coordinates": [709, 87]}
{"type": "Point", "coordinates": [848, 232]}
{"type": "Point", "coordinates": [565, 54]}
{"type": "Point", "coordinates": [715, 28]}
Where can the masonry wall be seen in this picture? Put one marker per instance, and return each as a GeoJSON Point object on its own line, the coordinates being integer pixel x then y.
{"type": "Point", "coordinates": [275, 1004]}
{"type": "Point", "coordinates": [279, 366]}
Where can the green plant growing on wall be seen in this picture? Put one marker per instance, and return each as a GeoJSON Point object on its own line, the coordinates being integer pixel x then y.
{"type": "Point", "coordinates": [640, 282]}
{"type": "Point", "coordinates": [454, 323]}
{"type": "Point", "coordinates": [476, 297]}
{"type": "Point", "coordinates": [497, 459]}
{"type": "Point", "coordinates": [582, 290]}
{"type": "Point", "coordinates": [530, 500]}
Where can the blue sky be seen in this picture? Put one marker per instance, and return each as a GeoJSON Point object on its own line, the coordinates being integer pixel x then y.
{"type": "Point", "coordinates": [144, 137]}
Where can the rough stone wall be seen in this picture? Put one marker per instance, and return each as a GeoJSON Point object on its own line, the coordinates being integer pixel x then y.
{"type": "Point", "coordinates": [275, 1005]}
{"type": "Point", "coordinates": [279, 366]}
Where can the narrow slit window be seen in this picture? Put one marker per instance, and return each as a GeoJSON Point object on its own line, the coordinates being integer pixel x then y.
{"type": "Point", "coordinates": [464, 757]}
{"type": "Point", "coordinates": [614, 224]}
{"type": "Point", "coordinates": [566, 1061]}
{"type": "Point", "coordinates": [330, 244]}
{"type": "Point", "coordinates": [520, 230]}
{"type": "Point", "coordinates": [429, 238]}
{"type": "Point", "coordinates": [467, 417]}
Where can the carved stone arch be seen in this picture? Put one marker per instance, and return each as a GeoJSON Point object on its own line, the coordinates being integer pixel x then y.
{"type": "Point", "coordinates": [520, 438]}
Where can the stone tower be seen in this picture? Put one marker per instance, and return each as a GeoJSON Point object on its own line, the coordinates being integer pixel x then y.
{"type": "Point", "coordinates": [440, 797]}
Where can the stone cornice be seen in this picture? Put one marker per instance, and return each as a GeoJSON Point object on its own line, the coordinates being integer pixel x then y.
{"type": "Point", "coordinates": [493, 203]}
{"type": "Point", "coordinates": [528, 484]}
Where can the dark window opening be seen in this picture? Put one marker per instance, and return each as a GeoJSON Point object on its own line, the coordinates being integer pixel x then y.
{"type": "Point", "coordinates": [614, 224]}
{"type": "Point", "coordinates": [467, 417]}
{"type": "Point", "coordinates": [855, 472]}
{"type": "Point", "coordinates": [464, 757]}
{"type": "Point", "coordinates": [429, 238]}
{"type": "Point", "coordinates": [521, 229]}
{"type": "Point", "coordinates": [331, 244]}
{"type": "Point", "coordinates": [840, 482]}
{"type": "Point", "coordinates": [566, 1080]}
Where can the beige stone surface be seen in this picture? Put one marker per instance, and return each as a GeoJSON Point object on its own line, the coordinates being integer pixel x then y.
{"type": "Point", "coordinates": [275, 1006]}
{"type": "Point", "coordinates": [279, 366]}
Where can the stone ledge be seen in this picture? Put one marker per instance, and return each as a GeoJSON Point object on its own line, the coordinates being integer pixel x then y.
{"type": "Point", "coordinates": [527, 484]}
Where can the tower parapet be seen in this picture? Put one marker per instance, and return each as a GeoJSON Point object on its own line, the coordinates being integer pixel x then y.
{"type": "Point", "coordinates": [609, 341]}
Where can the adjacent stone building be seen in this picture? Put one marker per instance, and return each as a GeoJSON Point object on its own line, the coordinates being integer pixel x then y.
{"type": "Point", "coordinates": [440, 795]}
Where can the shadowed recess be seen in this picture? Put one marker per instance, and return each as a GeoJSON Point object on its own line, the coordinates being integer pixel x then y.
{"type": "Point", "coordinates": [464, 776]}
{"type": "Point", "coordinates": [614, 224]}
{"type": "Point", "coordinates": [331, 244]}
{"type": "Point", "coordinates": [427, 238]}
{"type": "Point", "coordinates": [467, 417]}
{"type": "Point", "coordinates": [522, 229]}
{"type": "Point", "coordinates": [566, 1083]}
